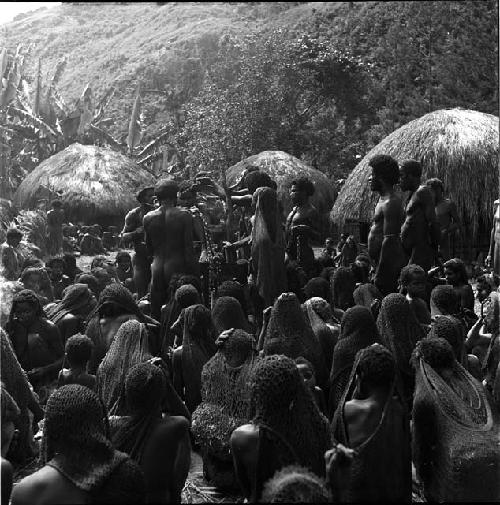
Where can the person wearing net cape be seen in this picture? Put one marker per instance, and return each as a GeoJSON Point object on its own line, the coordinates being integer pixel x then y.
{"type": "Point", "coordinates": [286, 429]}
{"type": "Point", "coordinates": [159, 444]}
{"type": "Point", "coordinates": [225, 404]}
{"type": "Point", "coordinates": [371, 419]}
{"type": "Point", "coordinates": [455, 439]}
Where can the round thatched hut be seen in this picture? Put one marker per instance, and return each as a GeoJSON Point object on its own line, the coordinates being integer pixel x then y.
{"type": "Point", "coordinates": [95, 184]}
{"type": "Point", "coordinates": [458, 146]}
{"type": "Point", "coordinates": [284, 168]}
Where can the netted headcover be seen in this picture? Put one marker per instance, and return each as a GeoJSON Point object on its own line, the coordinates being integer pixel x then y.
{"type": "Point", "coordinates": [317, 287]}
{"type": "Point", "coordinates": [198, 346]}
{"type": "Point", "coordinates": [15, 381]}
{"type": "Point", "coordinates": [445, 300]}
{"type": "Point", "coordinates": [227, 313]}
{"type": "Point", "coordinates": [400, 331]}
{"type": "Point", "coordinates": [129, 348]}
{"type": "Point", "coordinates": [357, 331]}
{"type": "Point", "coordinates": [366, 294]}
{"type": "Point", "coordinates": [455, 441]}
{"type": "Point", "coordinates": [144, 390]}
{"type": "Point", "coordinates": [25, 296]}
{"type": "Point", "coordinates": [187, 295]}
{"type": "Point", "coordinates": [268, 249]}
{"type": "Point", "coordinates": [294, 484]}
{"type": "Point", "coordinates": [289, 333]}
{"type": "Point", "coordinates": [225, 394]}
{"type": "Point", "coordinates": [77, 300]}
{"type": "Point", "coordinates": [286, 411]}
{"type": "Point", "coordinates": [452, 331]}
{"type": "Point", "coordinates": [74, 438]}
{"type": "Point", "coordinates": [381, 469]}
{"type": "Point", "coordinates": [343, 286]}
{"type": "Point", "coordinates": [234, 289]}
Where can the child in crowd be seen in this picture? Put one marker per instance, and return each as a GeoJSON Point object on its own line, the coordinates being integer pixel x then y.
{"type": "Point", "coordinates": [413, 284]}
{"type": "Point", "coordinates": [77, 355]}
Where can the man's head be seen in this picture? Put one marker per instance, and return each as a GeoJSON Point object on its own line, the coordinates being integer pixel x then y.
{"type": "Point", "coordinates": [123, 260]}
{"type": "Point", "coordinates": [413, 280]}
{"type": "Point", "coordinates": [166, 190]}
{"type": "Point", "coordinates": [145, 195]}
{"type": "Point", "coordinates": [78, 350]}
{"type": "Point", "coordinates": [14, 236]}
{"type": "Point", "coordinates": [56, 266]}
{"type": "Point", "coordinates": [31, 278]}
{"type": "Point", "coordinates": [258, 179]}
{"type": "Point", "coordinates": [187, 194]}
{"type": "Point", "coordinates": [56, 204]}
{"type": "Point", "coordinates": [90, 281]}
{"type": "Point", "coordinates": [306, 371]}
{"type": "Point", "coordinates": [411, 173]}
{"type": "Point", "coordinates": [455, 272]}
{"type": "Point", "coordinates": [329, 244]}
{"type": "Point", "coordinates": [300, 190]}
{"type": "Point", "coordinates": [437, 188]}
{"type": "Point", "coordinates": [385, 172]}
{"type": "Point", "coordinates": [376, 368]}
{"type": "Point", "coordinates": [26, 307]}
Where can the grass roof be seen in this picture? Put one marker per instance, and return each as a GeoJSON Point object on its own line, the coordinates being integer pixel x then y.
{"type": "Point", "coordinates": [94, 183]}
{"type": "Point", "coordinates": [458, 146]}
{"type": "Point", "coordinates": [284, 168]}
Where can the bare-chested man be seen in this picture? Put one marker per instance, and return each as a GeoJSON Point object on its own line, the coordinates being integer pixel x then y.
{"type": "Point", "coordinates": [55, 220]}
{"type": "Point", "coordinates": [169, 240]}
{"type": "Point", "coordinates": [493, 258]}
{"type": "Point", "coordinates": [420, 233]}
{"type": "Point", "coordinates": [447, 216]}
{"type": "Point", "coordinates": [384, 242]}
{"type": "Point", "coordinates": [133, 231]}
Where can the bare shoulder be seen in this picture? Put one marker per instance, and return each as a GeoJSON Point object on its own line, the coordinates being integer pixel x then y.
{"type": "Point", "coordinates": [32, 488]}
{"type": "Point", "coordinates": [177, 424]}
{"type": "Point", "coordinates": [424, 193]}
{"type": "Point", "coordinates": [244, 437]}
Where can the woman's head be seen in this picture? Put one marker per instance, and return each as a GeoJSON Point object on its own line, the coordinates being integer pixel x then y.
{"type": "Point", "coordinates": [144, 388]}
{"type": "Point", "coordinates": [444, 300]}
{"type": "Point", "coordinates": [455, 272]}
{"type": "Point", "coordinates": [26, 307]}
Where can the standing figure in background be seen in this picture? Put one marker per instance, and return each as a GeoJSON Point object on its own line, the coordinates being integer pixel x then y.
{"type": "Point", "coordinates": [493, 258]}
{"type": "Point", "coordinates": [169, 240]}
{"type": "Point", "coordinates": [11, 257]}
{"type": "Point", "coordinates": [420, 233]}
{"type": "Point", "coordinates": [384, 241]}
{"type": "Point", "coordinates": [447, 216]}
{"type": "Point", "coordinates": [349, 252]}
{"type": "Point", "coordinates": [301, 225]}
{"type": "Point", "coordinates": [55, 220]}
{"type": "Point", "coordinates": [133, 231]}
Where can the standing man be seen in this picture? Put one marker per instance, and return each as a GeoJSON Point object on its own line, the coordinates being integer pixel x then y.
{"type": "Point", "coordinates": [169, 240]}
{"type": "Point", "coordinates": [384, 240]}
{"type": "Point", "coordinates": [133, 231]}
{"type": "Point", "coordinates": [55, 220]}
{"type": "Point", "coordinates": [11, 257]}
{"type": "Point", "coordinates": [493, 258]}
{"type": "Point", "coordinates": [420, 233]}
{"type": "Point", "coordinates": [447, 216]}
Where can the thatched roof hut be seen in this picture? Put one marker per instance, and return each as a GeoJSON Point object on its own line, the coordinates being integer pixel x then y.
{"type": "Point", "coordinates": [95, 184]}
{"type": "Point", "coordinates": [458, 146]}
{"type": "Point", "coordinates": [284, 168]}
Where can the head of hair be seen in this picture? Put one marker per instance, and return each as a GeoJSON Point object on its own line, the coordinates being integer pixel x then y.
{"type": "Point", "coordinates": [32, 263]}
{"type": "Point", "coordinates": [187, 295]}
{"type": "Point", "coordinates": [376, 366]}
{"type": "Point", "coordinates": [189, 279]}
{"type": "Point", "coordinates": [57, 204]}
{"type": "Point", "coordinates": [457, 266]}
{"type": "Point", "coordinates": [30, 297]}
{"type": "Point", "coordinates": [317, 287]}
{"type": "Point", "coordinates": [446, 299]}
{"type": "Point", "coordinates": [78, 350]}
{"type": "Point", "coordinates": [412, 167]}
{"type": "Point", "coordinates": [305, 185]}
{"type": "Point", "coordinates": [258, 179]}
{"type": "Point", "coordinates": [13, 232]}
{"type": "Point", "coordinates": [144, 387]}
{"type": "Point", "coordinates": [90, 280]}
{"type": "Point", "coordinates": [436, 352]}
{"type": "Point", "coordinates": [166, 189]}
{"type": "Point", "coordinates": [123, 255]}
{"type": "Point", "coordinates": [435, 183]}
{"type": "Point", "coordinates": [140, 195]}
{"type": "Point", "coordinates": [234, 289]}
{"type": "Point", "coordinates": [69, 260]}
{"type": "Point", "coordinates": [409, 272]}
{"type": "Point", "coordinates": [386, 168]}
{"type": "Point", "coordinates": [55, 259]}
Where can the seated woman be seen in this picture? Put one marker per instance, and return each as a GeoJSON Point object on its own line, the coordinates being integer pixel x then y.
{"type": "Point", "coordinates": [225, 404]}
{"type": "Point", "coordinates": [90, 280]}
{"type": "Point", "coordinates": [16, 384]}
{"type": "Point", "coordinates": [456, 276]}
{"type": "Point", "coordinates": [287, 427]}
{"type": "Point", "coordinates": [77, 355]}
{"type": "Point", "coordinates": [80, 464]}
{"type": "Point", "coordinates": [198, 346]}
{"type": "Point", "coordinates": [455, 441]}
{"type": "Point", "coordinates": [57, 277]}
{"type": "Point", "coordinates": [70, 314]}
{"type": "Point", "coordinates": [324, 325]}
{"type": "Point", "coordinates": [288, 332]}
{"type": "Point", "coordinates": [295, 484]}
{"type": "Point", "coordinates": [372, 421]}
{"type": "Point", "coordinates": [357, 331]}
{"type": "Point", "coordinates": [400, 331]}
{"type": "Point", "coordinates": [160, 445]}
{"type": "Point", "coordinates": [124, 270]}
{"type": "Point", "coordinates": [36, 342]}
{"type": "Point", "coordinates": [413, 284]}
{"type": "Point", "coordinates": [116, 305]}
{"type": "Point", "coordinates": [185, 296]}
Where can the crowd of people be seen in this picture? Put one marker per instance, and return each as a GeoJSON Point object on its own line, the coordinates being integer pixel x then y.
{"type": "Point", "coordinates": [355, 374]}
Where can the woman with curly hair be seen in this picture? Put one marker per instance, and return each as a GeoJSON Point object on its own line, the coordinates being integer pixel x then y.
{"type": "Point", "coordinates": [287, 428]}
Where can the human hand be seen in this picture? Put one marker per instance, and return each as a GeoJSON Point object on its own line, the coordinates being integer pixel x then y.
{"type": "Point", "coordinates": [338, 461]}
{"type": "Point", "coordinates": [223, 337]}
{"type": "Point", "coordinates": [267, 314]}
{"type": "Point", "coordinates": [487, 261]}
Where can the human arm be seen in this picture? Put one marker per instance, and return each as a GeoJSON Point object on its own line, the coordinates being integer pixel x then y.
{"type": "Point", "coordinates": [53, 341]}
{"type": "Point", "coordinates": [427, 202]}
{"type": "Point", "coordinates": [338, 461]}
{"type": "Point", "coordinates": [178, 381]}
{"type": "Point", "coordinates": [244, 444]}
{"type": "Point", "coordinates": [132, 230]}
{"type": "Point", "coordinates": [476, 337]}
{"type": "Point", "coordinates": [262, 335]}
{"type": "Point", "coordinates": [487, 260]}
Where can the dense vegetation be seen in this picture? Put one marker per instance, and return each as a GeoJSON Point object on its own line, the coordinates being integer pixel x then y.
{"type": "Point", "coordinates": [220, 81]}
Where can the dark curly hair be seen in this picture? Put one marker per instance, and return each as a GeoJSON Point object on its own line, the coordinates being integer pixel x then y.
{"type": "Point", "coordinates": [78, 350]}
{"type": "Point", "coordinates": [412, 167]}
{"type": "Point", "coordinates": [258, 179]}
{"type": "Point", "coordinates": [408, 272]}
{"type": "Point", "coordinates": [385, 167]}
{"type": "Point", "coordinates": [376, 365]}
{"type": "Point", "coordinates": [436, 352]}
{"type": "Point", "coordinates": [304, 184]}
{"type": "Point", "coordinates": [458, 267]}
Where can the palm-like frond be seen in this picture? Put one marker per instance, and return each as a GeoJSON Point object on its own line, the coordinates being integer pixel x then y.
{"type": "Point", "coordinates": [134, 129]}
{"type": "Point", "coordinates": [37, 122]}
{"type": "Point", "coordinates": [103, 103]}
